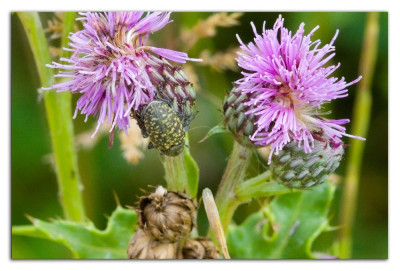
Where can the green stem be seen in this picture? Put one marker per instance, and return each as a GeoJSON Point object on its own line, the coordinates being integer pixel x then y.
{"type": "Point", "coordinates": [260, 186]}
{"type": "Point", "coordinates": [234, 175]}
{"type": "Point", "coordinates": [361, 117]}
{"type": "Point", "coordinates": [175, 173]}
{"type": "Point", "coordinates": [58, 110]}
{"type": "Point", "coordinates": [182, 172]}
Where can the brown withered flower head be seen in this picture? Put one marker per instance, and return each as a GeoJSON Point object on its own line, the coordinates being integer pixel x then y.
{"type": "Point", "coordinates": [200, 248]}
{"type": "Point", "coordinates": [143, 246]}
{"type": "Point", "coordinates": [168, 215]}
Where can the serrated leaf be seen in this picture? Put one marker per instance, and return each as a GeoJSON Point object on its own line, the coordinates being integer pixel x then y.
{"type": "Point", "coordinates": [87, 242]}
{"type": "Point", "coordinates": [192, 171]}
{"type": "Point", "coordinates": [220, 128]}
{"type": "Point", "coordinates": [285, 229]}
{"type": "Point", "coordinates": [29, 231]}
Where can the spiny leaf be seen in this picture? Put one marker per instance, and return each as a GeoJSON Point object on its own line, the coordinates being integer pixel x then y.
{"type": "Point", "coordinates": [29, 231]}
{"type": "Point", "coordinates": [84, 240]}
{"type": "Point", "coordinates": [286, 228]}
{"type": "Point", "coordinates": [220, 128]}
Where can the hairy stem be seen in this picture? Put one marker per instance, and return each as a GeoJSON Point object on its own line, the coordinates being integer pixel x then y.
{"type": "Point", "coordinates": [234, 175]}
{"type": "Point", "coordinates": [175, 173]}
{"type": "Point", "coordinates": [182, 172]}
{"type": "Point", "coordinates": [59, 116]}
{"type": "Point", "coordinates": [361, 117]}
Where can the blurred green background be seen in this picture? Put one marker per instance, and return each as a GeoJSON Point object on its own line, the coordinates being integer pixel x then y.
{"type": "Point", "coordinates": [103, 170]}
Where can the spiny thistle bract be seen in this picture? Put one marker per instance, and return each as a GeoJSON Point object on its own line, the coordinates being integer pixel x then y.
{"type": "Point", "coordinates": [296, 169]}
{"type": "Point", "coordinates": [278, 100]}
{"type": "Point", "coordinates": [240, 124]}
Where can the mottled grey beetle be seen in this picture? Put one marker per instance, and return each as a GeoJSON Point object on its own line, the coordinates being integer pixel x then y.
{"type": "Point", "coordinates": [164, 128]}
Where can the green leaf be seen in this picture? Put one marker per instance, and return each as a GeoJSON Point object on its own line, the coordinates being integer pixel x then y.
{"type": "Point", "coordinates": [220, 128]}
{"type": "Point", "coordinates": [286, 228]}
{"type": "Point", "coordinates": [83, 239]}
{"type": "Point", "coordinates": [192, 171]}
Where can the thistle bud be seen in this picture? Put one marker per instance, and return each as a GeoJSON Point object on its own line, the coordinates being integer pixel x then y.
{"type": "Point", "coordinates": [240, 124]}
{"type": "Point", "coordinates": [200, 248]}
{"type": "Point", "coordinates": [143, 246]}
{"type": "Point", "coordinates": [168, 215]}
{"type": "Point", "coordinates": [297, 169]}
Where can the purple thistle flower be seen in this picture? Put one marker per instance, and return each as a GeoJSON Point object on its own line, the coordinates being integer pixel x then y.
{"type": "Point", "coordinates": [286, 76]}
{"type": "Point", "coordinates": [111, 65]}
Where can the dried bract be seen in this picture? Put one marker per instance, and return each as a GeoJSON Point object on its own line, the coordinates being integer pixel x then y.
{"type": "Point", "coordinates": [143, 246]}
{"type": "Point", "coordinates": [200, 248]}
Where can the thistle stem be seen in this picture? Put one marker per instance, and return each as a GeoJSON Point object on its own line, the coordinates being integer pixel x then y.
{"type": "Point", "coordinates": [182, 172]}
{"type": "Point", "coordinates": [175, 173]}
{"type": "Point", "coordinates": [234, 175]}
{"type": "Point", "coordinates": [59, 116]}
{"type": "Point", "coordinates": [260, 186]}
{"type": "Point", "coordinates": [361, 116]}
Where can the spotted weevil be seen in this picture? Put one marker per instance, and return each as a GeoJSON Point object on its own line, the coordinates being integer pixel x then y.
{"type": "Point", "coordinates": [164, 128]}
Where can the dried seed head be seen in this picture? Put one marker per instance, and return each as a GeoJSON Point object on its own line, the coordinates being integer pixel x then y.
{"type": "Point", "coordinates": [297, 169]}
{"type": "Point", "coordinates": [240, 124]}
{"type": "Point", "coordinates": [143, 246]}
{"type": "Point", "coordinates": [212, 251]}
{"type": "Point", "coordinates": [167, 215]}
{"type": "Point", "coordinates": [200, 248]}
{"type": "Point", "coordinates": [193, 249]}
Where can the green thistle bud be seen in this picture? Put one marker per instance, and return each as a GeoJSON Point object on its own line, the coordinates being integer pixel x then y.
{"type": "Point", "coordinates": [297, 169]}
{"type": "Point", "coordinates": [168, 215]}
{"type": "Point", "coordinates": [143, 246]}
{"type": "Point", "coordinates": [240, 124]}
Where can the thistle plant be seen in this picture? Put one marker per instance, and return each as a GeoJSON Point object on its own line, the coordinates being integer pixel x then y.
{"type": "Point", "coordinates": [277, 102]}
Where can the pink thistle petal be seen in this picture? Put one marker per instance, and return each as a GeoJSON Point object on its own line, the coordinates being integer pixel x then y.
{"type": "Point", "coordinates": [176, 56]}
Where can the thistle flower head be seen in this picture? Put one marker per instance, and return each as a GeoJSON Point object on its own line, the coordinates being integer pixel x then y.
{"type": "Point", "coordinates": [112, 67]}
{"type": "Point", "coordinates": [286, 81]}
